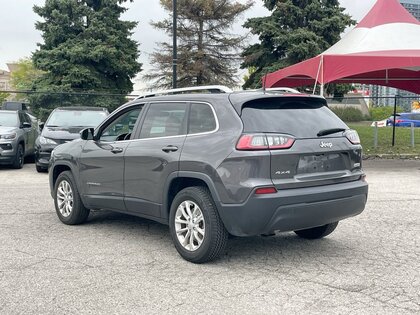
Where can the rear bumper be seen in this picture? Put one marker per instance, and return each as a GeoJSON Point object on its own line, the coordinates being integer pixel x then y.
{"type": "Point", "coordinates": [295, 209]}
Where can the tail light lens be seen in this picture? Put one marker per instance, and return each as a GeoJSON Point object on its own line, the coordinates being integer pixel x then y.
{"type": "Point", "coordinates": [249, 142]}
{"type": "Point", "coordinates": [265, 190]}
{"type": "Point", "coordinates": [353, 136]}
{"type": "Point", "coordinates": [398, 121]}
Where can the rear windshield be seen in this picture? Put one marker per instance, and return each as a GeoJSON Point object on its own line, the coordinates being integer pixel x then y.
{"type": "Point", "coordinates": [299, 118]}
{"type": "Point", "coordinates": [75, 118]}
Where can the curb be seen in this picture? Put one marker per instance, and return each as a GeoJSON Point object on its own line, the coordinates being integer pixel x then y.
{"type": "Point", "coordinates": [391, 156]}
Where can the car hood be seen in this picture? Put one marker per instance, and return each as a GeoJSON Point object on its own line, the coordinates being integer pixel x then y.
{"type": "Point", "coordinates": [63, 133]}
{"type": "Point", "coordinates": [4, 129]}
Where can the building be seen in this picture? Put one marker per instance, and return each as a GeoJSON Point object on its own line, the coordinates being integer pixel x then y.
{"type": "Point", "coordinates": [4, 80]}
{"type": "Point", "coordinates": [412, 6]}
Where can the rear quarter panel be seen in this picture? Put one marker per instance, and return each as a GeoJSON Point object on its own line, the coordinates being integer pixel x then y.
{"type": "Point", "coordinates": [206, 153]}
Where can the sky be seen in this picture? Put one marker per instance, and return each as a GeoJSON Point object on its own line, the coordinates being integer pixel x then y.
{"type": "Point", "coordinates": [18, 36]}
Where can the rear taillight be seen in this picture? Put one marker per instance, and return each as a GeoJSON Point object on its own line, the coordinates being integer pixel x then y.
{"type": "Point", "coordinates": [265, 190]}
{"type": "Point", "coordinates": [352, 136]}
{"type": "Point", "coordinates": [398, 121]}
{"type": "Point", "coordinates": [264, 142]}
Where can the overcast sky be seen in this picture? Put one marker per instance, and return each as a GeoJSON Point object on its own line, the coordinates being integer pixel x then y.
{"type": "Point", "coordinates": [18, 36]}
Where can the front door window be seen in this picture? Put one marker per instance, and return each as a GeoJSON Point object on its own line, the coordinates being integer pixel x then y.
{"type": "Point", "coordinates": [122, 127]}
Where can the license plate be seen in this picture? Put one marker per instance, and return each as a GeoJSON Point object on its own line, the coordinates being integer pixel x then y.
{"type": "Point", "coordinates": [320, 163]}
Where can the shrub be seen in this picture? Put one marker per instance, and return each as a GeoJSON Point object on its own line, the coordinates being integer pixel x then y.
{"type": "Point", "coordinates": [349, 114]}
{"type": "Point", "coordinates": [383, 112]}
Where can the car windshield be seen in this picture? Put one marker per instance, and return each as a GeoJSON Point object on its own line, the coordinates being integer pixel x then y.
{"type": "Point", "coordinates": [76, 118]}
{"type": "Point", "coordinates": [8, 119]}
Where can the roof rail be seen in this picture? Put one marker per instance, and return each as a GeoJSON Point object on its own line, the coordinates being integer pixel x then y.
{"type": "Point", "coordinates": [283, 89]}
{"type": "Point", "coordinates": [208, 88]}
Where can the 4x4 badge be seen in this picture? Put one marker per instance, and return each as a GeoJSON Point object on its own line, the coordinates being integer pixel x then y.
{"type": "Point", "coordinates": [326, 144]}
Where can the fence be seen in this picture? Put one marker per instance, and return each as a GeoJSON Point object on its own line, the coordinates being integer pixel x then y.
{"type": "Point", "coordinates": [42, 103]}
{"type": "Point", "coordinates": [373, 109]}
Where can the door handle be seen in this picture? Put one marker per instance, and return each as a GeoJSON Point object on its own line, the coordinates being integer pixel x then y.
{"type": "Point", "coordinates": [117, 150]}
{"type": "Point", "coordinates": [170, 148]}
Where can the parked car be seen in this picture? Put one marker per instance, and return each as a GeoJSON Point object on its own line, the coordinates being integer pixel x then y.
{"type": "Point", "coordinates": [404, 120]}
{"type": "Point", "coordinates": [63, 125]}
{"type": "Point", "coordinates": [16, 105]}
{"type": "Point", "coordinates": [245, 163]}
{"type": "Point", "coordinates": [17, 137]}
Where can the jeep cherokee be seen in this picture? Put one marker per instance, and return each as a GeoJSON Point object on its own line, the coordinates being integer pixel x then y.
{"type": "Point", "coordinates": [212, 164]}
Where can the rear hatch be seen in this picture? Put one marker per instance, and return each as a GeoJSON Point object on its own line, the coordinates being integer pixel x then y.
{"type": "Point", "coordinates": [308, 143]}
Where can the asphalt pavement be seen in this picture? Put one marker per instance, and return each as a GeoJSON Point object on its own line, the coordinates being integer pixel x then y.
{"type": "Point", "coordinates": [118, 264]}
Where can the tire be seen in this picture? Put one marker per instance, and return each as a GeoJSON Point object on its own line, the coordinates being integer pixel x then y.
{"type": "Point", "coordinates": [73, 211]}
{"type": "Point", "coordinates": [317, 232]}
{"type": "Point", "coordinates": [41, 169]}
{"type": "Point", "coordinates": [19, 158]}
{"type": "Point", "coordinates": [208, 227]}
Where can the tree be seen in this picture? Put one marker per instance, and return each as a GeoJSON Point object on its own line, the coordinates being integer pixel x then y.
{"type": "Point", "coordinates": [3, 97]}
{"type": "Point", "coordinates": [296, 30]}
{"type": "Point", "coordinates": [207, 52]}
{"type": "Point", "coordinates": [24, 76]}
{"type": "Point", "coordinates": [87, 47]}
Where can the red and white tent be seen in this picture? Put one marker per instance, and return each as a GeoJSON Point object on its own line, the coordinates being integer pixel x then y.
{"type": "Point", "coordinates": [383, 49]}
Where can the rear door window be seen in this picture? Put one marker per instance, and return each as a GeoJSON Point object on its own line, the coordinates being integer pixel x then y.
{"type": "Point", "coordinates": [301, 118]}
{"type": "Point", "coordinates": [164, 120]}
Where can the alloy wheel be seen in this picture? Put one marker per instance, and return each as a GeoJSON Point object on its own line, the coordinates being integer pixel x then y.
{"type": "Point", "coordinates": [65, 198]}
{"type": "Point", "coordinates": [189, 225]}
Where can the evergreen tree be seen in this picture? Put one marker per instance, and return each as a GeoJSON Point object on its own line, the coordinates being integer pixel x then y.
{"type": "Point", "coordinates": [207, 52]}
{"type": "Point", "coordinates": [295, 31]}
{"type": "Point", "coordinates": [86, 48]}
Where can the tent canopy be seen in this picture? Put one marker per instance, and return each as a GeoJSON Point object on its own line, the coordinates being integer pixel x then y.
{"type": "Point", "coordinates": [383, 49]}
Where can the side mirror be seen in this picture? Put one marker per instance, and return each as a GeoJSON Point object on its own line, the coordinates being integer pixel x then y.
{"type": "Point", "coordinates": [26, 125]}
{"type": "Point", "coordinates": [87, 134]}
{"type": "Point", "coordinates": [41, 125]}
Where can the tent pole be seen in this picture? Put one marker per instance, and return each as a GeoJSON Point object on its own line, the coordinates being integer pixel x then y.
{"type": "Point", "coordinates": [317, 74]}
{"type": "Point", "coordinates": [322, 76]}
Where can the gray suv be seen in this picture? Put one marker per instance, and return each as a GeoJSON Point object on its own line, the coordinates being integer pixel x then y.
{"type": "Point", "coordinates": [209, 165]}
{"type": "Point", "coordinates": [17, 137]}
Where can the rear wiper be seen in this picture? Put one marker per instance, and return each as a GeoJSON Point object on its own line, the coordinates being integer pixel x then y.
{"type": "Point", "coordinates": [53, 126]}
{"type": "Point", "coordinates": [330, 131]}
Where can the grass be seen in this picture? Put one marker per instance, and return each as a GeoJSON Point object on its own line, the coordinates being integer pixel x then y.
{"type": "Point", "coordinates": [402, 139]}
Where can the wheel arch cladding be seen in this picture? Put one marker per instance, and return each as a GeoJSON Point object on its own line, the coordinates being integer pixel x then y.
{"type": "Point", "coordinates": [179, 183]}
{"type": "Point", "coordinates": [58, 169]}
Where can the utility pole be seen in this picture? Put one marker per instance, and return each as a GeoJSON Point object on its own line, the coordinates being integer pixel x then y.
{"type": "Point", "coordinates": [175, 53]}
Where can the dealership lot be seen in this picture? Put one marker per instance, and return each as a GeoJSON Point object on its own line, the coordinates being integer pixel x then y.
{"type": "Point", "coordinates": [121, 264]}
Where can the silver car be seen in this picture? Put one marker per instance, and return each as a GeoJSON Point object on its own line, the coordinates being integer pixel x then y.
{"type": "Point", "coordinates": [17, 137]}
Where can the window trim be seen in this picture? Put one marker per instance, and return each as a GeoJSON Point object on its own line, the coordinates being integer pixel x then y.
{"type": "Point", "coordinates": [187, 134]}
{"type": "Point", "coordinates": [111, 118]}
{"type": "Point", "coordinates": [214, 116]}
{"type": "Point", "coordinates": [149, 104]}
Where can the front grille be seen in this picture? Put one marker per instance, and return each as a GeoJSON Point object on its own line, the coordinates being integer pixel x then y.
{"type": "Point", "coordinates": [6, 146]}
{"type": "Point", "coordinates": [61, 141]}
